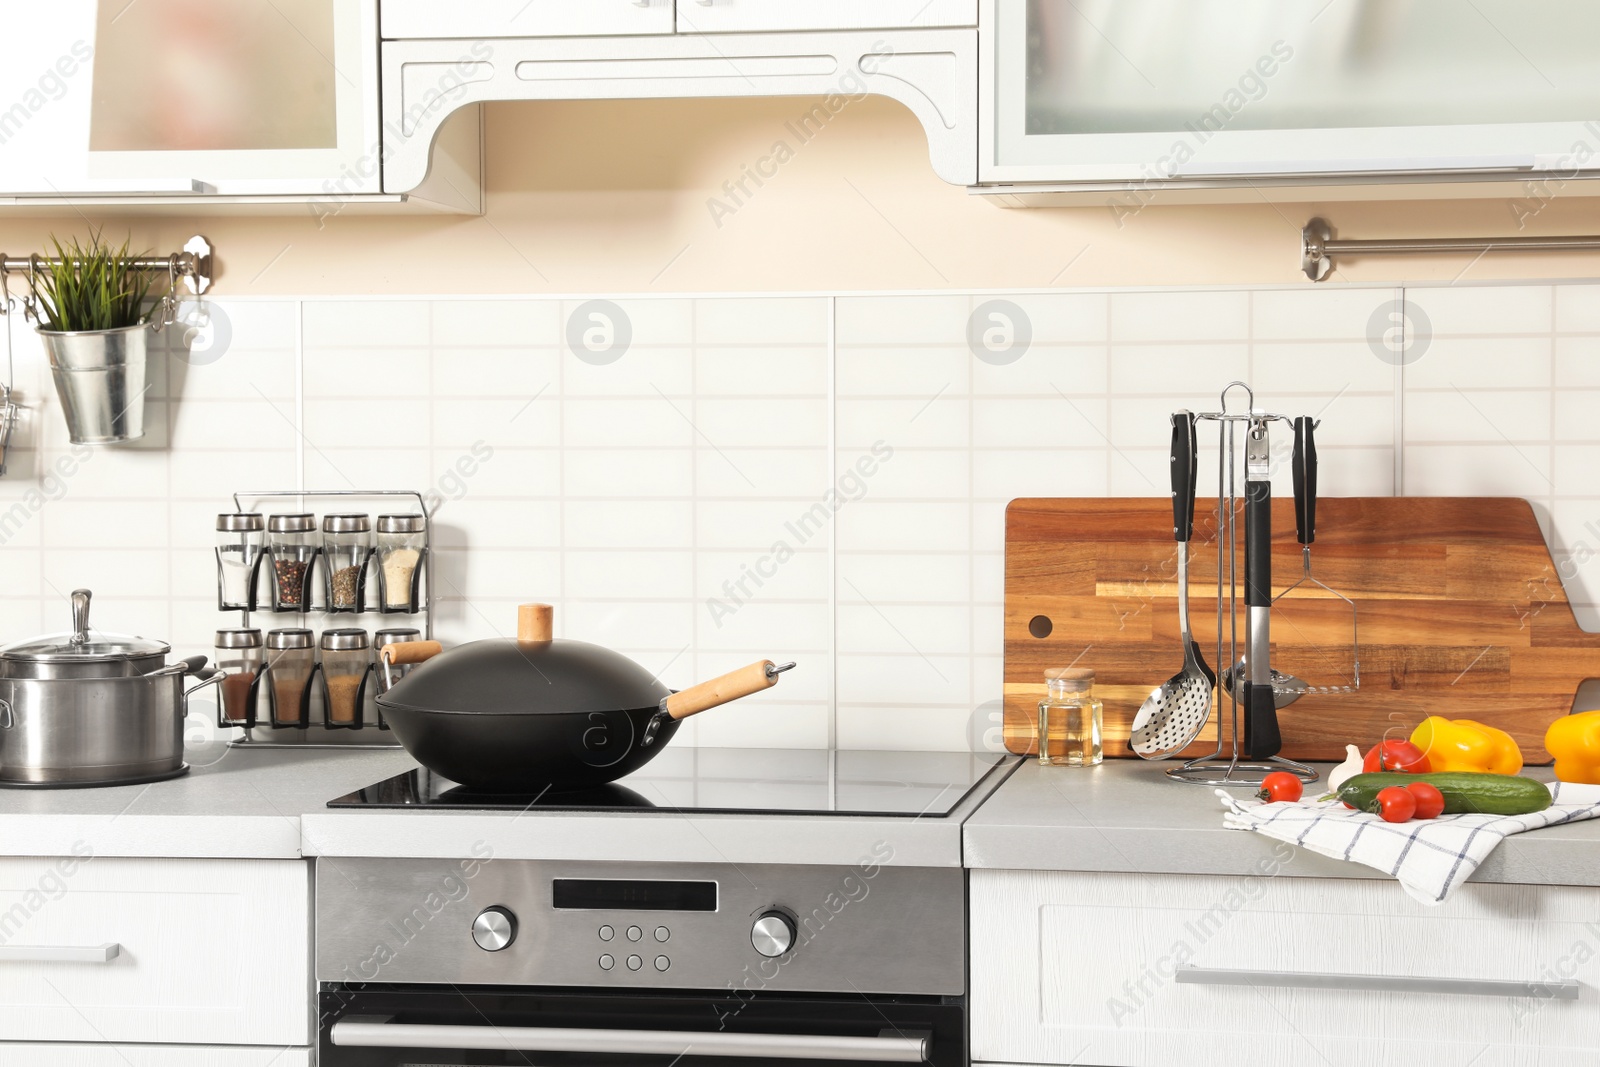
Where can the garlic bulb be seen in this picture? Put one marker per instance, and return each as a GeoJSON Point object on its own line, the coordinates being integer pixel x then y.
{"type": "Point", "coordinates": [1346, 770]}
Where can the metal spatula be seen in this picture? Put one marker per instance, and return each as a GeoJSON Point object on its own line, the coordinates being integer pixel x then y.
{"type": "Point", "coordinates": [1174, 713]}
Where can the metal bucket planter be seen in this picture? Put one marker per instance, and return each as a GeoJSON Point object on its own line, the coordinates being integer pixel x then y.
{"type": "Point", "coordinates": [100, 378]}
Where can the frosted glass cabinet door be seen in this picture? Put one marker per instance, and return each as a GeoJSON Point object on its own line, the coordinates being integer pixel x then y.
{"type": "Point", "coordinates": [1136, 90]}
{"type": "Point", "coordinates": [230, 96]}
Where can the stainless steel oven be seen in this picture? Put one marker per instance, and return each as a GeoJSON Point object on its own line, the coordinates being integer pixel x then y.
{"type": "Point", "coordinates": [578, 964]}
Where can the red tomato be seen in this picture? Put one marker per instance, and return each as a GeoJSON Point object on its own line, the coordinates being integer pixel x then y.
{"type": "Point", "coordinates": [1280, 785]}
{"type": "Point", "coordinates": [1398, 755]}
{"type": "Point", "coordinates": [1430, 802]}
{"type": "Point", "coordinates": [1395, 804]}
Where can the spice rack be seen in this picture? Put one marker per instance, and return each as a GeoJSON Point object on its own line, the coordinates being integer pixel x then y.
{"type": "Point", "coordinates": [327, 702]}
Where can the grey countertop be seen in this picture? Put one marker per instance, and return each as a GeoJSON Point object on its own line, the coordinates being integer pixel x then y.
{"type": "Point", "coordinates": [233, 803]}
{"type": "Point", "coordinates": [1122, 816]}
{"type": "Point", "coordinates": [1127, 816]}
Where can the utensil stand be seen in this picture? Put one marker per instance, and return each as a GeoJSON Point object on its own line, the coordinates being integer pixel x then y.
{"type": "Point", "coordinates": [322, 731]}
{"type": "Point", "coordinates": [1227, 765]}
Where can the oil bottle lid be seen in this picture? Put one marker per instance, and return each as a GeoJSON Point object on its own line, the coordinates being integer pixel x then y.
{"type": "Point", "coordinates": [1072, 679]}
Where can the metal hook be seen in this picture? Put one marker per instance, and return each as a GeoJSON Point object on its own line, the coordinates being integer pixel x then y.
{"type": "Point", "coordinates": [1250, 396]}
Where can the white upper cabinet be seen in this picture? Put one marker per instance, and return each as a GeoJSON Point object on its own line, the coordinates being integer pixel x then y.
{"type": "Point", "coordinates": [1155, 90]}
{"type": "Point", "coordinates": [174, 96]}
{"type": "Point", "coordinates": [525, 18]}
{"type": "Point", "coordinates": [756, 16]}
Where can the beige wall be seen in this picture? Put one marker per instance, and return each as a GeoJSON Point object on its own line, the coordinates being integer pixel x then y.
{"type": "Point", "coordinates": [613, 197]}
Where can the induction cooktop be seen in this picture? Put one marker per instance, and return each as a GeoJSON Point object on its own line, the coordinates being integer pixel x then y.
{"type": "Point", "coordinates": [736, 782]}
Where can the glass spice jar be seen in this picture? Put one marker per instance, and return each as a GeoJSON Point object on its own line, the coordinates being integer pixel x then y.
{"type": "Point", "coordinates": [291, 548]}
{"type": "Point", "coordinates": [291, 656]}
{"type": "Point", "coordinates": [346, 545]}
{"type": "Point", "coordinates": [1071, 719]}
{"type": "Point", "coordinates": [240, 540]}
{"type": "Point", "coordinates": [238, 657]}
{"type": "Point", "coordinates": [402, 543]}
{"type": "Point", "coordinates": [346, 659]}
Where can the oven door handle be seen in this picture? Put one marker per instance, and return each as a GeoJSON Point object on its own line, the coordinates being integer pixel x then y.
{"type": "Point", "coordinates": [356, 1031]}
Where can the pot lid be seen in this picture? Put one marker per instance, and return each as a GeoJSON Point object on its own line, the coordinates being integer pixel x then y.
{"type": "Point", "coordinates": [81, 645]}
{"type": "Point", "coordinates": [527, 677]}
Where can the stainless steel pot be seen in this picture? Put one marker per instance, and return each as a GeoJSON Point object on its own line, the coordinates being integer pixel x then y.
{"type": "Point", "coordinates": [89, 708]}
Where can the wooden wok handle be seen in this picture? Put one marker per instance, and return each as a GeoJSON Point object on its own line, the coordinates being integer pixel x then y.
{"type": "Point", "coordinates": [731, 686]}
{"type": "Point", "coordinates": [535, 623]}
{"type": "Point", "coordinates": [410, 651]}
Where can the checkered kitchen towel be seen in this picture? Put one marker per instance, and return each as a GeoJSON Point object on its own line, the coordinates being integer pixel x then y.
{"type": "Point", "coordinates": [1430, 857]}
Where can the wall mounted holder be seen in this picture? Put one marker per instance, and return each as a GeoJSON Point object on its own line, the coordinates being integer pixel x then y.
{"type": "Point", "coordinates": [1318, 246]}
{"type": "Point", "coordinates": [99, 374]}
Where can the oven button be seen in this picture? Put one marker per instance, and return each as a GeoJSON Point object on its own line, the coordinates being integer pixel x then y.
{"type": "Point", "coordinates": [634, 963]}
{"type": "Point", "coordinates": [607, 962]}
{"type": "Point", "coordinates": [773, 934]}
{"type": "Point", "coordinates": [606, 933]}
{"type": "Point", "coordinates": [662, 963]}
{"type": "Point", "coordinates": [634, 933]}
{"type": "Point", "coordinates": [662, 933]}
{"type": "Point", "coordinates": [494, 928]}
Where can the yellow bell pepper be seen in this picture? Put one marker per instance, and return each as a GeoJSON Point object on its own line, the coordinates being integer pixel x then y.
{"type": "Point", "coordinates": [1574, 740]}
{"type": "Point", "coordinates": [1465, 745]}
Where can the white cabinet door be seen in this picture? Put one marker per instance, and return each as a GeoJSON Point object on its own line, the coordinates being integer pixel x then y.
{"type": "Point", "coordinates": [26, 1055]}
{"type": "Point", "coordinates": [524, 18]}
{"type": "Point", "coordinates": [155, 951]}
{"type": "Point", "coordinates": [1150, 91]}
{"type": "Point", "coordinates": [1132, 970]}
{"type": "Point", "coordinates": [756, 16]}
{"type": "Point", "coordinates": [253, 99]}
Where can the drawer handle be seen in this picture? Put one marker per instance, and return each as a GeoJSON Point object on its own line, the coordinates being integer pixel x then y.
{"type": "Point", "coordinates": [60, 953]}
{"type": "Point", "coordinates": [360, 1031]}
{"type": "Point", "coordinates": [1470, 987]}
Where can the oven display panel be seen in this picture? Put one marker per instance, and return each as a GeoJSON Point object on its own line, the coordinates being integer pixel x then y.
{"type": "Point", "coordinates": [618, 894]}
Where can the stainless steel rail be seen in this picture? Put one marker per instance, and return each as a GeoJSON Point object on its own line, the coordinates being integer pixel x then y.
{"type": "Point", "coordinates": [374, 1032]}
{"type": "Point", "coordinates": [1318, 246]}
{"type": "Point", "coordinates": [1379, 983]}
{"type": "Point", "coordinates": [194, 264]}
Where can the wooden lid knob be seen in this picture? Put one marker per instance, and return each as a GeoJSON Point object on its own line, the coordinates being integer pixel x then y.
{"type": "Point", "coordinates": [535, 623]}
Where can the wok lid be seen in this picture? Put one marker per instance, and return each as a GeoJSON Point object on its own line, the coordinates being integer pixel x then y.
{"type": "Point", "coordinates": [532, 675]}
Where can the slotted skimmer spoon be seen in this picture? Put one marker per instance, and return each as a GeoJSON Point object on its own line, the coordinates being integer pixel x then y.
{"type": "Point", "coordinates": [1174, 713]}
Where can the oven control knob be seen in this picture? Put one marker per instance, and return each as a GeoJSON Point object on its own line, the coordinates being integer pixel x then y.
{"type": "Point", "coordinates": [773, 934]}
{"type": "Point", "coordinates": [494, 928]}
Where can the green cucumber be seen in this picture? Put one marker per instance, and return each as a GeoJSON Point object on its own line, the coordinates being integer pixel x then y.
{"type": "Point", "coordinates": [1465, 792]}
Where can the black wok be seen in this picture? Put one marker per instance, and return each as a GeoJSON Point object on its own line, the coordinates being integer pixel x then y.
{"type": "Point", "coordinates": [537, 714]}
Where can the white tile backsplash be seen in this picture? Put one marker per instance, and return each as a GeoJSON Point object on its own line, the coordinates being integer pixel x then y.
{"type": "Point", "coordinates": [810, 477]}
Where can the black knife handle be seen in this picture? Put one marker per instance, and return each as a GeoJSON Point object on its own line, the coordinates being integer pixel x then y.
{"type": "Point", "coordinates": [1258, 544]}
{"type": "Point", "coordinates": [1185, 474]}
{"type": "Point", "coordinates": [1305, 479]}
{"type": "Point", "coordinates": [1261, 735]}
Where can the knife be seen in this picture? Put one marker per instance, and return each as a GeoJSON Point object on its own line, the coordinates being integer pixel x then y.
{"type": "Point", "coordinates": [1261, 736]}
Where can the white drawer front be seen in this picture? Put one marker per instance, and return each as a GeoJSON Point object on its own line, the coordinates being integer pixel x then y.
{"type": "Point", "coordinates": [207, 951]}
{"type": "Point", "coordinates": [1081, 969]}
{"type": "Point", "coordinates": [523, 18]}
{"type": "Point", "coordinates": [23, 1055]}
{"type": "Point", "coordinates": [757, 16]}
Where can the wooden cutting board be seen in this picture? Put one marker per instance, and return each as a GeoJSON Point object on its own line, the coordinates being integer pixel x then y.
{"type": "Point", "coordinates": [1461, 614]}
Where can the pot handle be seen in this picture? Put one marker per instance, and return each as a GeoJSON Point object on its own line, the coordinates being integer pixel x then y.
{"type": "Point", "coordinates": [410, 651]}
{"type": "Point", "coordinates": [7, 720]}
{"type": "Point", "coordinates": [403, 652]}
{"type": "Point", "coordinates": [731, 686]}
{"type": "Point", "coordinates": [195, 665]}
{"type": "Point", "coordinates": [80, 616]}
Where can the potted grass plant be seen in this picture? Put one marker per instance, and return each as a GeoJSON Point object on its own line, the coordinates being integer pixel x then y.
{"type": "Point", "coordinates": [90, 303]}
